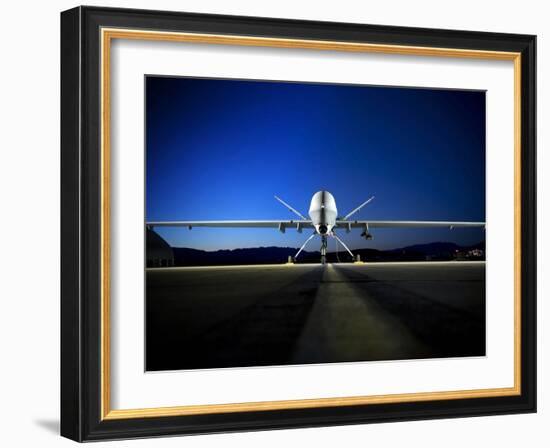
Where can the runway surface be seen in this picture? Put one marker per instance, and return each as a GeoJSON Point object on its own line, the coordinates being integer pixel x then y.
{"type": "Point", "coordinates": [211, 317]}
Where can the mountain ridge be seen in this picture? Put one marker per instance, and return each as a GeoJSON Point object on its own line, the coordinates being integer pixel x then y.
{"type": "Point", "coordinates": [440, 250]}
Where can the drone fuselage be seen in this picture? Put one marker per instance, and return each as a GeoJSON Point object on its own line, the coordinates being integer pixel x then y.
{"type": "Point", "coordinates": [323, 212]}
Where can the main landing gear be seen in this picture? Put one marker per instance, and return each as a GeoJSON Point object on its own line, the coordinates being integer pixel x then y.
{"type": "Point", "coordinates": [324, 245]}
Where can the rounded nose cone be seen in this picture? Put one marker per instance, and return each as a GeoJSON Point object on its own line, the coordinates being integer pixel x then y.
{"type": "Point", "coordinates": [322, 199]}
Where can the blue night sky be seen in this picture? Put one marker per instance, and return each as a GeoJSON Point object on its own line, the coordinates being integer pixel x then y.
{"type": "Point", "coordinates": [220, 149]}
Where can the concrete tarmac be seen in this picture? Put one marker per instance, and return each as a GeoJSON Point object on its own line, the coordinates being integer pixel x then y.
{"type": "Point", "coordinates": [235, 316]}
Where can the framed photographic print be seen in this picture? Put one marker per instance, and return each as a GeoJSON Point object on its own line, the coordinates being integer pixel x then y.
{"type": "Point", "coordinates": [274, 224]}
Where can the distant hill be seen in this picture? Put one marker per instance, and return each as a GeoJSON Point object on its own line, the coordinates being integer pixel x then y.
{"type": "Point", "coordinates": [430, 248]}
{"type": "Point", "coordinates": [258, 255]}
{"type": "Point", "coordinates": [266, 255]}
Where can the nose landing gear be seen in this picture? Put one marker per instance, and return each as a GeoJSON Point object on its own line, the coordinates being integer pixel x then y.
{"type": "Point", "coordinates": [324, 245]}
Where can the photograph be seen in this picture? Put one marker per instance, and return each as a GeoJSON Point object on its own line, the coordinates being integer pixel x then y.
{"type": "Point", "coordinates": [293, 223]}
{"type": "Point", "coordinates": [274, 221]}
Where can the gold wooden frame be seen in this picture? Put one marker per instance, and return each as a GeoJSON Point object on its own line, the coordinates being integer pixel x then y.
{"type": "Point", "coordinates": [107, 35]}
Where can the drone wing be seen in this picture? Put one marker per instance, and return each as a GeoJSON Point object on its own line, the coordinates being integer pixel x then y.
{"type": "Point", "coordinates": [345, 224]}
{"type": "Point", "coordinates": [275, 224]}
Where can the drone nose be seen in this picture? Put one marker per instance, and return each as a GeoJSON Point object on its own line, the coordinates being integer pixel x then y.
{"type": "Point", "coordinates": [323, 229]}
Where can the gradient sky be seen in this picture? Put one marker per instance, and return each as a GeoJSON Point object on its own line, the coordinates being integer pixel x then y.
{"type": "Point", "coordinates": [220, 149]}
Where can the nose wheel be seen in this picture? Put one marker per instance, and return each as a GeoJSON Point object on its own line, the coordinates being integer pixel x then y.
{"type": "Point", "coordinates": [324, 245]}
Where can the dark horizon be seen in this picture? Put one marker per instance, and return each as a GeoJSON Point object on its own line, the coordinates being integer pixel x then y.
{"type": "Point", "coordinates": [341, 249]}
{"type": "Point", "coordinates": [435, 251]}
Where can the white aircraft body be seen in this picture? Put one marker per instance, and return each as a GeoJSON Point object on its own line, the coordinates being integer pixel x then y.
{"type": "Point", "coordinates": [324, 220]}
